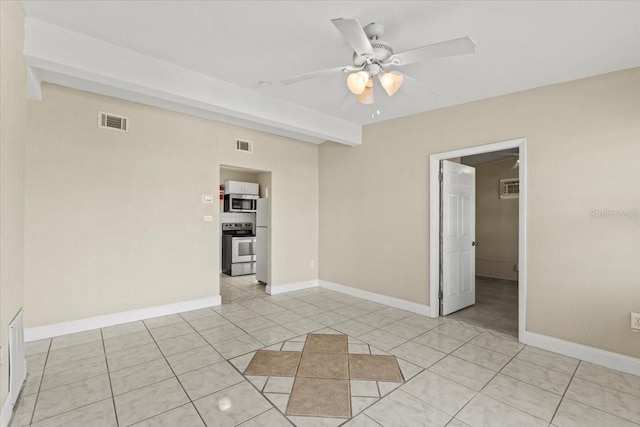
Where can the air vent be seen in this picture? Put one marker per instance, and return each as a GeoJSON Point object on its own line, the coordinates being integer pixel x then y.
{"type": "Point", "coordinates": [510, 188]}
{"type": "Point", "coordinates": [113, 122]}
{"type": "Point", "coordinates": [244, 145]}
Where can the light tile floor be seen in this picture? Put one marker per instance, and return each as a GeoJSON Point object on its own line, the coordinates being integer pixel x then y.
{"type": "Point", "coordinates": [240, 288]}
{"type": "Point", "coordinates": [496, 307]}
{"type": "Point", "coordinates": [187, 370]}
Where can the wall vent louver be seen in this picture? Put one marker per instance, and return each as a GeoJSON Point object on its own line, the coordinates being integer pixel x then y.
{"type": "Point", "coordinates": [510, 188]}
{"type": "Point", "coordinates": [244, 145]}
{"type": "Point", "coordinates": [112, 122]}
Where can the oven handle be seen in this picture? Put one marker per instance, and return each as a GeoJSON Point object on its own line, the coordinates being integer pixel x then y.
{"type": "Point", "coordinates": [245, 240]}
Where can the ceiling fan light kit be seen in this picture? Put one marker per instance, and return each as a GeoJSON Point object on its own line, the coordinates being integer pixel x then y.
{"type": "Point", "coordinates": [357, 82]}
{"type": "Point", "coordinates": [372, 57]}
{"type": "Point", "coordinates": [391, 82]}
{"type": "Point", "coordinates": [366, 97]}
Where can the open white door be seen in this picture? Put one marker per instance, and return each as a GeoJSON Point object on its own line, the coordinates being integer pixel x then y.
{"type": "Point", "coordinates": [458, 237]}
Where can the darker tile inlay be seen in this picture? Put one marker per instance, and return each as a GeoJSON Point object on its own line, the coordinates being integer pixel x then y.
{"type": "Point", "coordinates": [319, 397]}
{"type": "Point", "coordinates": [326, 343]}
{"type": "Point", "coordinates": [324, 365]}
{"type": "Point", "coordinates": [374, 368]}
{"type": "Point", "coordinates": [322, 372]}
{"type": "Point", "coordinates": [276, 363]}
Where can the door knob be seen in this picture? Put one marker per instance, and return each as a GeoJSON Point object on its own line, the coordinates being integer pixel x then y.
{"type": "Point", "coordinates": [474, 243]}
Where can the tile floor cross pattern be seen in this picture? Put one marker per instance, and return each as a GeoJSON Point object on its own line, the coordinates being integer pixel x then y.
{"type": "Point", "coordinates": [193, 370]}
{"type": "Point", "coordinates": [321, 374]}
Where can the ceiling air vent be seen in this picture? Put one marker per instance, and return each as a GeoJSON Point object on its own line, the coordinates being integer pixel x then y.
{"type": "Point", "coordinates": [244, 145]}
{"type": "Point", "coordinates": [113, 122]}
{"type": "Point", "coordinates": [509, 188]}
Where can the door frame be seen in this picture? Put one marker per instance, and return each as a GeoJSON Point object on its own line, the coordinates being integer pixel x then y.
{"type": "Point", "coordinates": [434, 222]}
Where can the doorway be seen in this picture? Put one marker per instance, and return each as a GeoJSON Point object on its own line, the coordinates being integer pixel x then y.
{"type": "Point", "coordinates": [499, 283]}
{"type": "Point", "coordinates": [238, 230]}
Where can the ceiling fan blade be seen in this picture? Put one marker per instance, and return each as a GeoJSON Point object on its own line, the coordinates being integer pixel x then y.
{"type": "Point", "coordinates": [411, 85]}
{"type": "Point", "coordinates": [348, 102]}
{"type": "Point", "coordinates": [354, 34]}
{"type": "Point", "coordinates": [453, 47]}
{"type": "Point", "coordinates": [320, 73]}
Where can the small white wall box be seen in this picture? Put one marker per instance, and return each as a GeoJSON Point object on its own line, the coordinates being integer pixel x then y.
{"type": "Point", "coordinates": [510, 188]}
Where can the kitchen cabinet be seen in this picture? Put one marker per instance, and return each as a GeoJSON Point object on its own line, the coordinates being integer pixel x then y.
{"type": "Point", "coordinates": [239, 187]}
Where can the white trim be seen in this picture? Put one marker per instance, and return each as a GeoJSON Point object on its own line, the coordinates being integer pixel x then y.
{"type": "Point", "coordinates": [379, 298]}
{"type": "Point", "coordinates": [57, 329]}
{"type": "Point", "coordinates": [434, 221]}
{"type": "Point", "coordinates": [34, 85]}
{"type": "Point", "coordinates": [7, 411]}
{"type": "Point", "coordinates": [290, 287]}
{"type": "Point", "coordinates": [604, 358]}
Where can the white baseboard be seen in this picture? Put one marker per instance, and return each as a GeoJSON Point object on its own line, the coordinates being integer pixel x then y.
{"type": "Point", "coordinates": [600, 357]}
{"type": "Point", "coordinates": [379, 298]}
{"type": "Point", "coordinates": [290, 287]}
{"type": "Point", "coordinates": [57, 329]}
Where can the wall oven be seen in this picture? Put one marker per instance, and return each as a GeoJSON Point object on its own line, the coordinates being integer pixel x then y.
{"type": "Point", "coordinates": [240, 202]}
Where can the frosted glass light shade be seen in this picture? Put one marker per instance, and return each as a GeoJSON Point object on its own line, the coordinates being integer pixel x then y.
{"type": "Point", "coordinates": [366, 97]}
{"type": "Point", "coordinates": [357, 82]}
{"type": "Point", "coordinates": [391, 82]}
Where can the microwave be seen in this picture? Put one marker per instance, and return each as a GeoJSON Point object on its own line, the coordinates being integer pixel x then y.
{"type": "Point", "coordinates": [240, 202]}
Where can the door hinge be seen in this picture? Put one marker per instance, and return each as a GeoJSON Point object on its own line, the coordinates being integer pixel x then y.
{"type": "Point", "coordinates": [440, 294]}
{"type": "Point", "coordinates": [440, 177]}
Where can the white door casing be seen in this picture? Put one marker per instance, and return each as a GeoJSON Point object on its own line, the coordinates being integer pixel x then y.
{"type": "Point", "coordinates": [458, 236]}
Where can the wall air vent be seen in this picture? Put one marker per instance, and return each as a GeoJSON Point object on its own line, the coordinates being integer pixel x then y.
{"type": "Point", "coordinates": [244, 145]}
{"type": "Point", "coordinates": [510, 188]}
{"type": "Point", "coordinates": [113, 122]}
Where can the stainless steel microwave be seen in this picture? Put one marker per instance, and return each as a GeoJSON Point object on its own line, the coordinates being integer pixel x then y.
{"type": "Point", "coordinates": [240, 202]}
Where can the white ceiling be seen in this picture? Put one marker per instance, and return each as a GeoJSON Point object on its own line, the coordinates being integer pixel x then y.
{"type": "Point", "coordinates": [520, 45]}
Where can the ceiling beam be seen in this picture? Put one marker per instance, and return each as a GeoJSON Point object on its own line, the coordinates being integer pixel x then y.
{"type": "Point", "coordinates": [64, 57]}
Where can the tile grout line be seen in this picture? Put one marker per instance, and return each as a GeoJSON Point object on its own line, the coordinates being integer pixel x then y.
{"type": "Point", "coordinates": [349, 378]}
{"type": "Point", "coordinates": [565, 392]}
{"type": "Point", "coordinates": [600, 385]}
{"type": "Point", "coordinates": [44, 367]}
{"type": "Point", "coordinates": [236, 368]}
{"type": "Point", "coordinates": [84, 405]}
{"type": "Point", "coordinates": [265, 384]}
{"type": "Point", "coordinates": [106, 361]}
{"type": "Point", "coordinates": [175, 376]}
{"type": "Point", "coordinates": [485, 386]}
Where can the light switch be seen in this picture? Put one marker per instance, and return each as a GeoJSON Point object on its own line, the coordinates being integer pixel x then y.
{"type": "Point", "coordinates": [207, 199]}
{"type": "Point", "coordinates": [208, 218]}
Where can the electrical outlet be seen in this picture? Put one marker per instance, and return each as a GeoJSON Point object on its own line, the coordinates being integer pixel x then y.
{"type": "Point", "coordinates": [635, 321]}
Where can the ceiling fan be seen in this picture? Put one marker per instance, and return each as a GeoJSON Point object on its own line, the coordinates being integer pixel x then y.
{"type": "Point", "coordinates": [373, 57]}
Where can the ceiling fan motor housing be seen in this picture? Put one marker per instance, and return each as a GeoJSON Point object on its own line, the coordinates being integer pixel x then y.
{"type": "Point", "coordinates": [381, 53]}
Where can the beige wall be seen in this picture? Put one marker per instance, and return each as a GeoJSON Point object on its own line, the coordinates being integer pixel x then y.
{"type": "Point", "coordinates": [228, 174]}
{"type": "Point", "coordinates": [496, 221]}
{"type": "Point", "coordinates": [114, 221]}
{"type": "Point", "coordinates": [583, 153]}
{"type": "Point", "coordinates": [12, 151]}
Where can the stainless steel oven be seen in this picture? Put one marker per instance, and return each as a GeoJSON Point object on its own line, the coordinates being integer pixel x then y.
{"type": "Point", "coordinates": [243, 249]}
{"type": "Point", "coordinates": [238, 249]}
